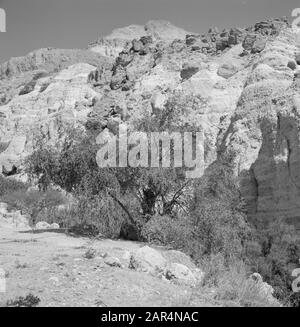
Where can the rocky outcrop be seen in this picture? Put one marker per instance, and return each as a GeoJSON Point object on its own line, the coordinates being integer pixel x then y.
{"type": "Point", "coordinates": [50, 60]}
{"type": "Point", "coordinates": [263, 136]}
{"type": "Point", "coordinates": [159, 30]}
{"type": "Point", "coordinates": [46, 111]}
{"type": "Point", "coordinates": [171, 265]}
{"type": "Point", "coordinates": [148, 260]}
{"type": "Point", "coordinates": [238, 86]}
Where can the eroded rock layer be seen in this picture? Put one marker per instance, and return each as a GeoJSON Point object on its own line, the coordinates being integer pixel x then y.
{"type": "Point", "coordinates": [239, 86]}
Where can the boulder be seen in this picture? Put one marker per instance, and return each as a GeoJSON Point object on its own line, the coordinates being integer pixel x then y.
{"type": "Point", "coordinates": [198, 43]}
{"type": "Point", "coordinates": [249, 42]}
{"type": "Point", "coordinates": [292, 65]}
{"type": "Point", "coordinates": [180, 273]}
{"type": "Point", "coordinates": [232, 40]}
{"type": "Point", "coordinates": [113, 262]}
{"type": "Point", "coordinates": [227, 70]}
{"type": "Point", "coordinates": [137, 45]}
{"type": "Point", "coordinates": [126, 258]}
{"type": "Point", "coordinates": [271, 27]}
{"type": "Point", "coordinates": [119, 78]}
{"type": "Point", "coordinates": [158, 102]}
{"type": "Point", "coordinates": [174, 256]}
{"type": "Point", "coordinates": [266, 291]}
{"type": "Point", "coordinates": [188, 71]}
{"type": "Point", "coordinates": [148, 260]}
{"type": "Point", "coordinates": [259, 45]}
{"type": "Point", "coordinates": [222, 43]}
{"type": "Point", "coordinates": [3, 208]}
{"type": "Point", "coordinates": [54, 226]}
{"type": "Point", "coordinates": [191, 39]}
{"type": "Point", "coordinates": [42, 225]}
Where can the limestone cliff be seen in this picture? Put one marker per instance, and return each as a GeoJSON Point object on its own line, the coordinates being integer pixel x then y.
{"type": "Point", "coordinates": [240, 86]}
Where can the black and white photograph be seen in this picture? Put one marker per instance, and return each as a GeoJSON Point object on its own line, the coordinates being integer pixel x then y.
{"type": "Point", "coordinates": [149, 157]}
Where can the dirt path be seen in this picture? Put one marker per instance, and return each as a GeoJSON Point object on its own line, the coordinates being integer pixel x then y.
{"type": "Point", "coordinates": [52, 266]}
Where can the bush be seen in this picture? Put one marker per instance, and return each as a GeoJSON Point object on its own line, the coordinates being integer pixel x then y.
{"type": "Point", "coordinates": [231, 284]}
{"type": "Point", "coordinates": [235, 288]}
{"type": "Point", "coordinates": [274, 253]}
{"type": "Point", "coordinates": [28, 301]}
{"type": "Point", "coordinates": [165, 230]}
{"type": "Point", "coordinates": [106, 194]}
{"type": "Point", "coordinates": [34, 203]}
{"type": "Point", "coordinates": [9, 185]}
{"type": "Point", "coordinates": [220, 229]}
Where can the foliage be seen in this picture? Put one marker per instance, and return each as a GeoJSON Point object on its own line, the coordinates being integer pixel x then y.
{"type": "Point", "coordinates": [274, 253]}
{"type": "Point", "coordinates": [9, 185]}
{"type": "Point", "coordinates": [232, 285]}
{"type": "Point", "coordinates": [170, 231]}
{"type": "Point", "coordinates": [73, 167]}
{"type": "Point", "coordinates": [33, 202]}
{"type": "Point", "coordinates": [28, 301]}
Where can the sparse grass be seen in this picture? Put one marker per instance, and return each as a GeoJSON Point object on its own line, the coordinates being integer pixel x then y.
{"type": "Point", "coordinates": [24, 241]}
{"type": "Point", "coordinates": [20, 265]}
{"type": "Point", "coordinates": [90, 253]}
{"type": "Point", "coordinates": [229, 285]}
{"type": "Point", "coordinates": [59, 256]}
{"type": "Point", "coordinates": [9, 185]}
{"type": "Point", "coordinates": [28, 301]}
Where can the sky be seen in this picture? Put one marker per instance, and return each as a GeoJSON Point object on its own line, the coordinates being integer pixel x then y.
{"type": "Point", "coordinates": [34, 24]}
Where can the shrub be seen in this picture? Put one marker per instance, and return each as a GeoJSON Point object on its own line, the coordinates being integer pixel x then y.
{"type": "Point", "coordinates": [107, 194]}
{"type": "Point", "coordinates": [228, 278]}
{"type": "Point", "coordinates": [165, 230]}
{"type": "Point", "coordinates": [275, 253]}
{"type": "Point", "coordinates": [90, 253]}
{"type": "Point", "coordinates": [28, 301]}
{"type": "Point", "coordinates": [9, 185]}
{"type": "Point", "coordinates": [235, 288]}
{"type": "Point", "coordinates": [84, 229]}
{"type": "Point", "coordinates": [34, 202]}
{"type": "Point", "coordinates": [219, 228]}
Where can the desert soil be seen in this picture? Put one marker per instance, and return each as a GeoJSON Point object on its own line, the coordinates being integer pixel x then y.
{"type": "Point", "coordinates": [52, 266]}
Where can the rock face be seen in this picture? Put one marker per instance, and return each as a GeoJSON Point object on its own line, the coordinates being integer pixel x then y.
{"type": "Point", "coordinates": [111, 45]}
{"type": "Point", "coordinates": [54, 103]}
{"type": "Point", "coordinates": [263, 136]}
{"type": "Point", "coordinates": [240, 87]}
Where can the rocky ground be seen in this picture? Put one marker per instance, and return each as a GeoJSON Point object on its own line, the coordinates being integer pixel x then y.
{"type": "Point", "coordinates": [70, 271]}
{"type": "Point", "coordinates": [61, 269]}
